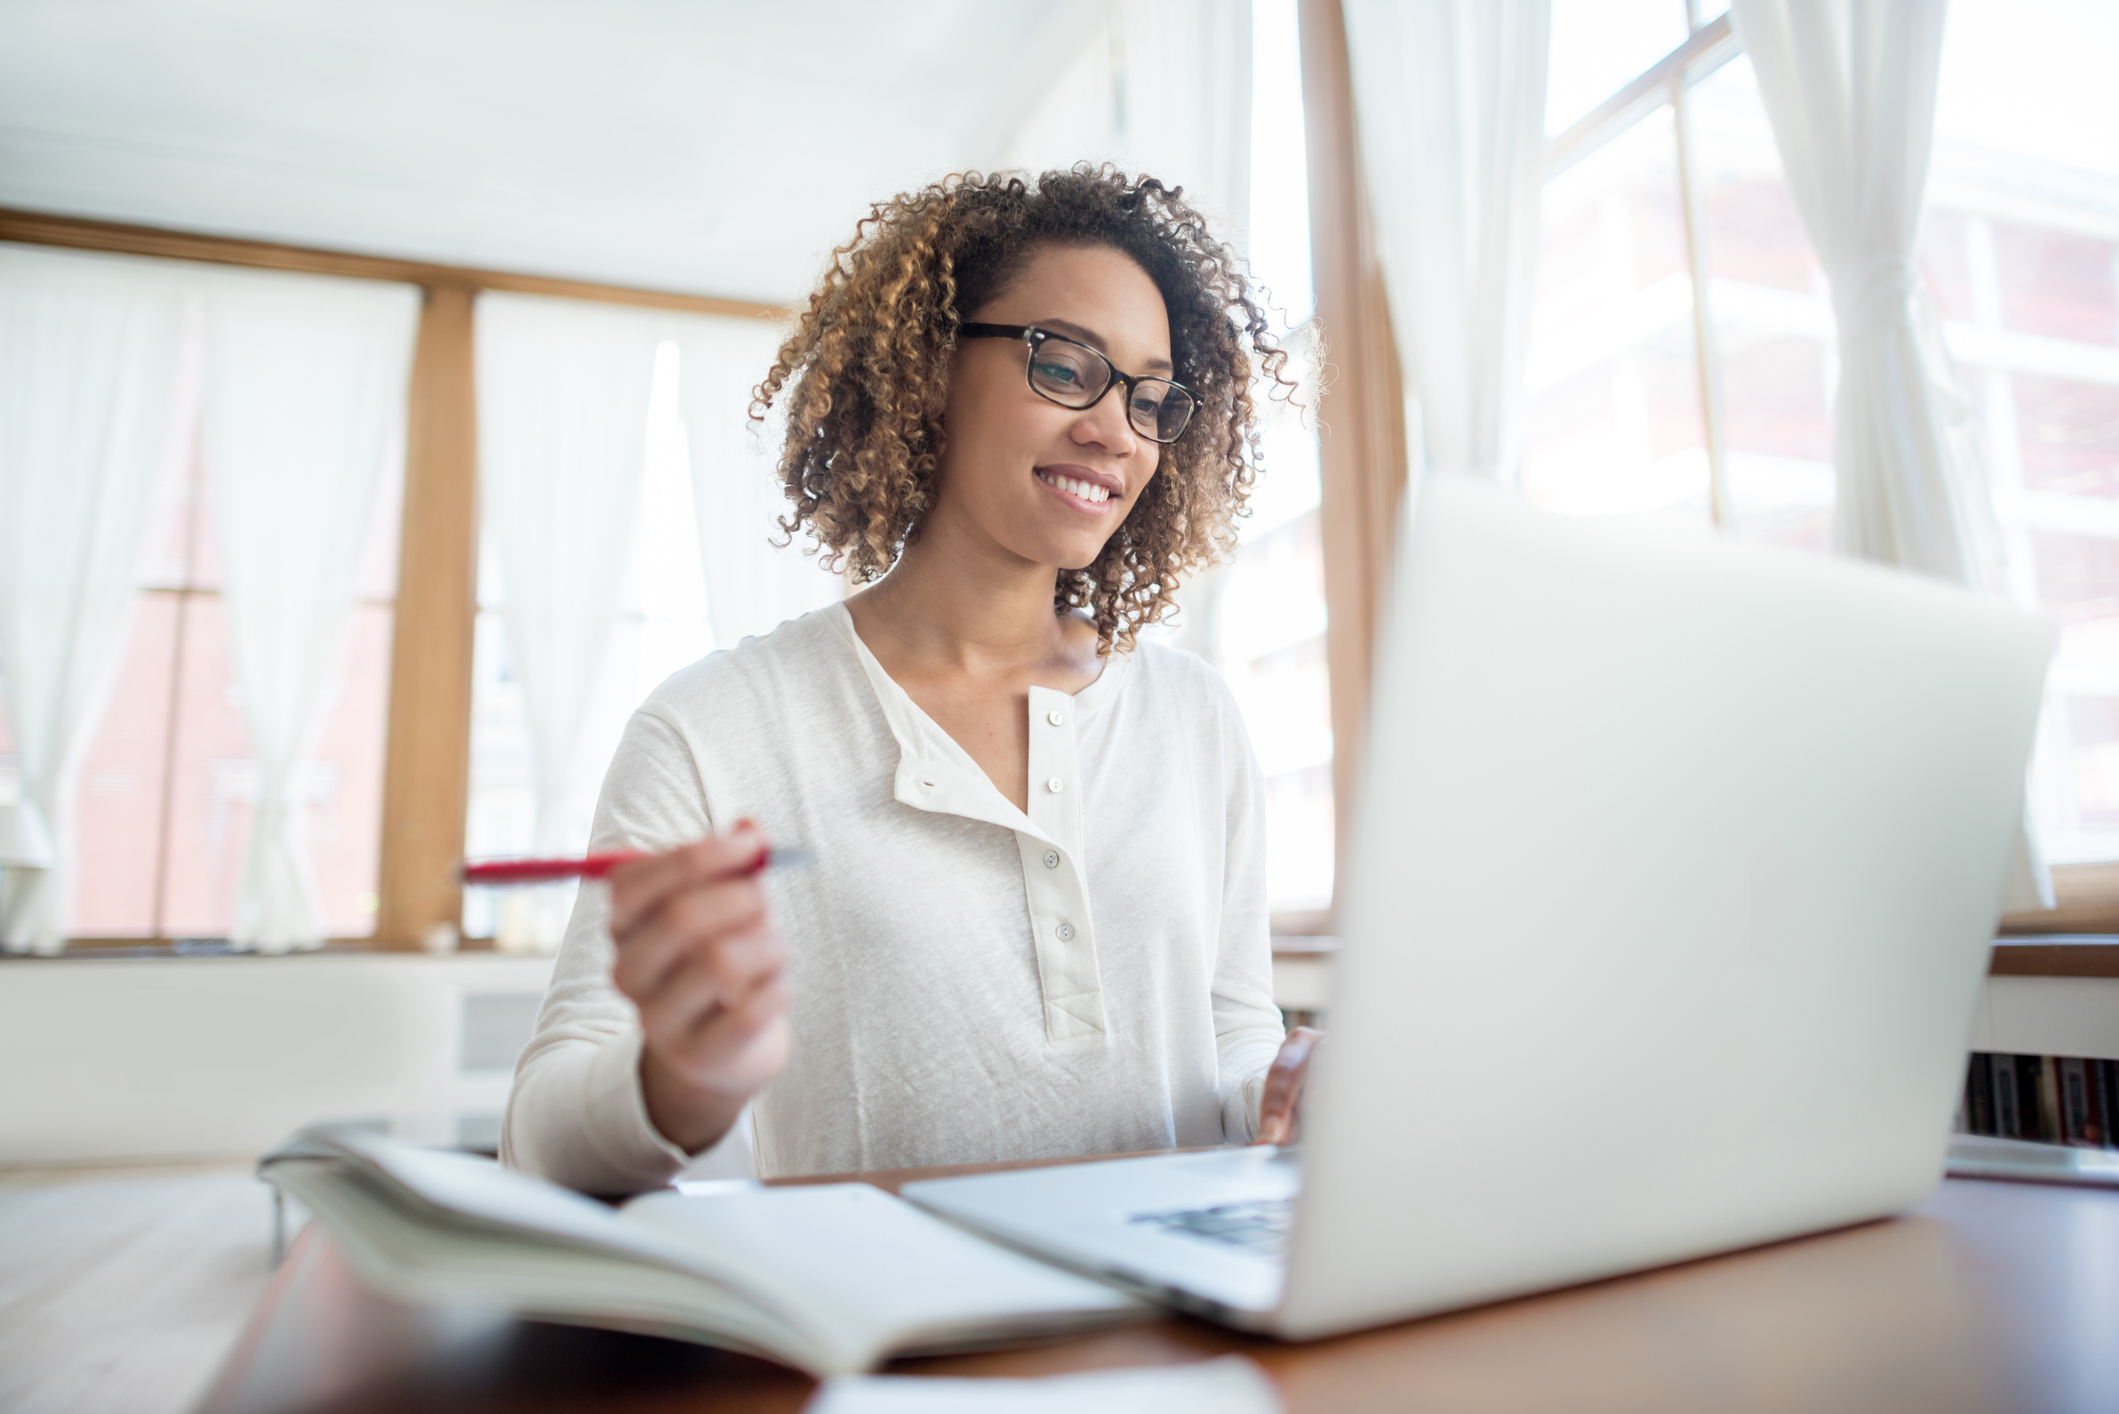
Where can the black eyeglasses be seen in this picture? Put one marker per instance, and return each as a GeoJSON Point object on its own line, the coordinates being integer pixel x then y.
{"type": "Point", "coordinates": [1068, 372]}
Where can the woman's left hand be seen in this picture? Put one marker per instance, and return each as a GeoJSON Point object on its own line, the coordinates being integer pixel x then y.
{"type": "Point", "coordinates": [1280, 1107]}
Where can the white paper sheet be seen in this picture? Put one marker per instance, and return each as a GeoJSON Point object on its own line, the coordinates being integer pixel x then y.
{"type": "Point", "coordinates": [1230, 1385]}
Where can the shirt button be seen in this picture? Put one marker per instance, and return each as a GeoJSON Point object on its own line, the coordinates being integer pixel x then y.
{"type": "Point", "coordinates": [1052, 859]}
{"type": "Point", "coordinates": [1066, 932]}
{"type": "Point", "coordinates": [1055, 717]}
{"type": "Point", "coordinates": [1053, 785]}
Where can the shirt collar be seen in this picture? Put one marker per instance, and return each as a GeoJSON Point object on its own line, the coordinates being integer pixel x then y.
{"type": "Point", "coordinates": [934, 771]}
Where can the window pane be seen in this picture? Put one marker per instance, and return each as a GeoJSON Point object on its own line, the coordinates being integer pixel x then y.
{"type": "Point", "coordinates": [345, 832]}
{"type": "Point", "coordinates": [1599, 46]}
{"type": "Point", "coordinates": [1280, 209]}
{"type": "Point", "coordinates": [502, 816]}
{"type": "Point", "coordinates": [2056, 283]}
{"type": "Point", "coordinates": [128, 778]}
{"type": "Point", "coordinates": [1614, 426]}
{"type": "Point", "coordinates": [1773, 325]}
{"type": "Point", "coordinates": [1947, 236]}
{"type": "Point", "coordinates": [214, 793]}
{"type": "Point", "coordinates": [2091, 733]}
{"type": "Point", "coordinates": [214, 782]}
{"type": "Point", "coordinates": [2078, 580]}
{"type": "Point", "coordinates": [1272, 615]}
{"type": "Point", "coordinates": [2069, 435]}
{"type": "Point", "coordinates": [661, 626]}
{"type": "Point", "coordinates": [1261, 617]}
{"type": "Point", "coordinates": [118, 796]}
{"type": "Point", "coordinates": [375, 576]}
{"type": "Point", "coordinates": [2018, 242]}
{"type": "Point", "coordinates": [2032, 80]}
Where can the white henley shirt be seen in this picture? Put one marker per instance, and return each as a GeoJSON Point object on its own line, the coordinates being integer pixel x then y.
{"type": "Point", "coordinates": [966, 983]}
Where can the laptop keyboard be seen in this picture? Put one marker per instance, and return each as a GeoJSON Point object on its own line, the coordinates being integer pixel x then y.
{"type": "Point", "coordinates": [1259, 1227]}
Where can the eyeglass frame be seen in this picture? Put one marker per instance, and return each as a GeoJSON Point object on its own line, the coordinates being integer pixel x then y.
{"type": "Point", "coordinates": [1031, 337]}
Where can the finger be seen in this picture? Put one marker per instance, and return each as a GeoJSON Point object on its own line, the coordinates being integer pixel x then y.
{"type": "Point", "coordinates": [729, 1026]}
{"type": "Point", "coordinates": [1283, 1088]}
{"type": "Point", "coordinates": [1273, 1109]}
{"type": "Point", "coordinates": [744, 959]}
{"type": "Point", "coordinates": [640, 886]}
{"type": "Point", "coordinates": [719, 973]}
{"type": "Point", "coordinates": [1275, 1112]}
{"type": "Point", "coordinates": [718, 976]}
{"type": "Point", "coordinates": [711, 1048]}
{"type": "Point", "coordinates": [690, 924]}
{"type": "Point", "coordinates": [672, 1016]}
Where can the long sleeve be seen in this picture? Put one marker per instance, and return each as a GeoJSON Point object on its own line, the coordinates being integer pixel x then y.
{"type": "Point", "coordinates": [576, 1114]}
{"type": "Point", "coordinates": [1247, 1025]}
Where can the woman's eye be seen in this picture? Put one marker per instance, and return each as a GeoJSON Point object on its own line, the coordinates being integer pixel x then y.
{"type": "Point", "coordinates": [1057, 372]}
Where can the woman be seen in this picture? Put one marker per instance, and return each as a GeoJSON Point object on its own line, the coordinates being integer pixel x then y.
{"type": "Point", "coordinates": [1036, 925]}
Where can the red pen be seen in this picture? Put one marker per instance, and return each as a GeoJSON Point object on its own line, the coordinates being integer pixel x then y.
{"type": "Point", "coordinates": [595, 866]}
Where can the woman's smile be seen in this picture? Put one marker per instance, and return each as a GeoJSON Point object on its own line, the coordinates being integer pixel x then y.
{"type": "Point", "coordinates": [1080, 487]}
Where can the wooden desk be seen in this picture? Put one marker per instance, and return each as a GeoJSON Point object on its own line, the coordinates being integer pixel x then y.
{"type": "Point", "coordinates": [1992, 1296]}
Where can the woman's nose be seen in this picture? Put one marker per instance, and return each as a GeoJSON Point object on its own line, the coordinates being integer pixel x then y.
{"type": "Point", "coordinates": [1105, 424]}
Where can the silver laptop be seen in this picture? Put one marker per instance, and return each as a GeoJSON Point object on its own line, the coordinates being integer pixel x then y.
{"type": "Point", "coordinates": [1676, 869]}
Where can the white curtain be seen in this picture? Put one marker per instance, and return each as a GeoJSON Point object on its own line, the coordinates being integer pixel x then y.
{"type": "Point", "coordinates": [306, 383]}
{"type": "Point", "coordinates": [562, 443]}
{"type": "Point", "coordinates": [1850, 91]}
{"type": "Point", "coordinates": [1162, 88]}
{"type": "Point", "coordinates": [88, 412]}
{"type": "Point", "coordinates": [1449, 100]}
{"type": "Point", "coordinates": [751, 584]}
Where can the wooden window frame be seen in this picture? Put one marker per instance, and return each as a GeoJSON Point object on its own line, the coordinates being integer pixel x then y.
{"type": "Point", "coordinates": [427, 746]}
{"type": "Point", "coordinates": [1362, 449]}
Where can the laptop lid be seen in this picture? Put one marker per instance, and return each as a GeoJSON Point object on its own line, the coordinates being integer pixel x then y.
{"type": "Point", "coordinates": [1676, 870]}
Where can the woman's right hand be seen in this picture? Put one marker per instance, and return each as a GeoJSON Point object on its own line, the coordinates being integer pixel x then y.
{"type": "Point", "coordinates": [698, 956]}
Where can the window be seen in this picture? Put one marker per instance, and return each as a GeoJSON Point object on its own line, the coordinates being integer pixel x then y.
{"type": "Point", "coordinates": [166, 785]}
{"type": "Point", "coordinates": [2021, 247]}
{"type": "Point", "coordinates": [1683, 355]}
{"type": "Point", "coordinates": [661, 627]}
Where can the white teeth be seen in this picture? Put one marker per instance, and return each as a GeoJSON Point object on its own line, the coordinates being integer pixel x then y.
{"type": "Point", "coordinates": [1085, 490]}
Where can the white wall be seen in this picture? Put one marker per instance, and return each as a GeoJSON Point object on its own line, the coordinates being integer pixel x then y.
{"type": "Point", "coordinates": [2049, 1016]}
{"type": "Point", "coordinates": [135, 1058]}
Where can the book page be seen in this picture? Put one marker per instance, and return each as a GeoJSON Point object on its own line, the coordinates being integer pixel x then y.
{"type": "Point", "coordinates": [876, 1274]}
{"type": "Point", "coordinates": [481, 1190]}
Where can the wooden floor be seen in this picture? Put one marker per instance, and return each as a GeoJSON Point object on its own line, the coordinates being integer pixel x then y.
{"type": "Point", "coordinates": [122, 1288]}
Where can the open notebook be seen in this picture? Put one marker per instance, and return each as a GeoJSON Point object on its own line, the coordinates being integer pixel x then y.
{"type": "Point", "coordinates": [831, 1279]}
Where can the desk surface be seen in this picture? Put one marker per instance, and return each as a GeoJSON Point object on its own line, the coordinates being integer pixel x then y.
{"type": "Point", "coordinates": [1990, 1296]}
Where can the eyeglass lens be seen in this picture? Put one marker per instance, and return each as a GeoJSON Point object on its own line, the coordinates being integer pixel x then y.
{"type": "Point", "coordinates": [1075, 376]}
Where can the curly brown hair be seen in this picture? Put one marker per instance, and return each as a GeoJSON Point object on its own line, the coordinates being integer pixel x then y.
{"type": "Point", "coordinates": [866, 375]}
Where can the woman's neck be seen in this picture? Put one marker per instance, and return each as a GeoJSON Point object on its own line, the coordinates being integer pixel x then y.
{"type": "Point", "coordinates": [953, 606]}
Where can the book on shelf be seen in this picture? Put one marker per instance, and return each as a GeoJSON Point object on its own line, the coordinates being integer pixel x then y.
{"type": "Point", "coordinates": [1979, 1096]}
{"type": "Point", "coordinates": [828, 1278]}
{"type": "Point", "coordinates": [2006, 1096]}
{"type": "Point", "coordinates": [2078, 1125]}
{"type": "Point", "coordinates": [2046, 1069]}
{"type": "Point", "coordinates": [2070, 1100]}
